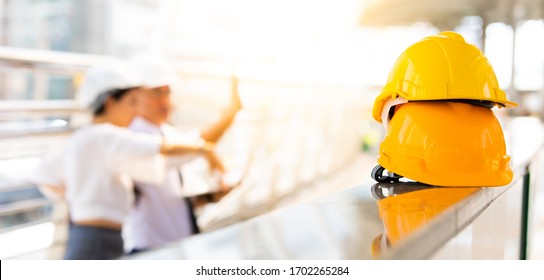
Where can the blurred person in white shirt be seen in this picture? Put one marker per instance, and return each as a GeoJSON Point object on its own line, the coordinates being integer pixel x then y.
{"type": "Point", "coordinates": [161, 214]}
{"type": "Point", "coordinates": [96, 169]}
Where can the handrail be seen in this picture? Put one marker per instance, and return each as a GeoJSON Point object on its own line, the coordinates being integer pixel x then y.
{"type": "Point", "coordinates": [38, 106]}
{"type": "Point", "coordinates": [55, 131]}
{"type": "Point", "coordinates": [9, 185]}
{"type": "Point", "coordinates": [23, 206]}
{"type": "Point", "coordinates": [20, 57]}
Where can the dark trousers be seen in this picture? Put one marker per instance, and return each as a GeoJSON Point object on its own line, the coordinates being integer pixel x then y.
{"type": "Point", "coordinates": [93, 243]}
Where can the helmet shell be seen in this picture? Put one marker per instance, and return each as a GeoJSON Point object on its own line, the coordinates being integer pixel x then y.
{"type": "Point", "coordinates": [446, 144]}
{"type": "Point", "coordinates": [442, 67]}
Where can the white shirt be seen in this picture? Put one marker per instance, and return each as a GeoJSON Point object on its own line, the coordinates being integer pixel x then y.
{"type": "Point", "coordinates": [97, 167]}
{"type": "Point", "coordinates": [161, 214]}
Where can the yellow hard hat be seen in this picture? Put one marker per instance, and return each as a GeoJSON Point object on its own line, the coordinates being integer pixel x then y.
{"type": "Point", "coordinates": [445, 144]}
{"type": "Point", "coordinates": [442, 67]}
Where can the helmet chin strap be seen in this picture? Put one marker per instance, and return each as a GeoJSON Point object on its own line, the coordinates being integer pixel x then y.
{"type": "Point", "coordinates": [381, 175]}
{"type": "Point", "coordinates": [387, 106]}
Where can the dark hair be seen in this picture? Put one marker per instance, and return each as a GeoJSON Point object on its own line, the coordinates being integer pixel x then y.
{"type": "Point", "coordinates": [98, 107]}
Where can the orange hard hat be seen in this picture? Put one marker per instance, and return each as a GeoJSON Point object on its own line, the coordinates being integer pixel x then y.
{"type": "Point", "coordinates": [445, 144]}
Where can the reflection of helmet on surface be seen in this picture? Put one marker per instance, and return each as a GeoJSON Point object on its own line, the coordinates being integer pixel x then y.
{"type": "Point", "coordinates": [403, 214]}
{"type": "Point", "coordinates": [441, 67]}
{"type": "Point", "coordinates": [446, 144]}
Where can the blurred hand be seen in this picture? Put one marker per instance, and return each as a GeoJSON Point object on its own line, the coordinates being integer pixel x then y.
{"type": "Point", "coordinates": [215, 163]}
{"type": "Point", "coordinates": [235, 103]}
{"type": "Point", "coordinates": [218, 169]}
{"type": "Point", "coordinates": [216, 196]}
{"type": "Point", "coordinates": [201, 200]}
{"type": "Point", "coordinates": [214, 131]}
{"type": "Point", "coordinates": [54, 192]}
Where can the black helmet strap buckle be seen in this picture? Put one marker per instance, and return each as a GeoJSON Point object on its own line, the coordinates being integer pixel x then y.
{"type": "Point", "coordinates": [380, 176]}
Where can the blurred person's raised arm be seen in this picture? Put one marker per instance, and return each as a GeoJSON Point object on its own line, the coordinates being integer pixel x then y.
{"type": "Point", "coordinates": [217, 129]}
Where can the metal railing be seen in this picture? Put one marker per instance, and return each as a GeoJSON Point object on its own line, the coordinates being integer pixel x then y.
{"type": "Point", "coordinates": [65, 62]}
